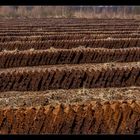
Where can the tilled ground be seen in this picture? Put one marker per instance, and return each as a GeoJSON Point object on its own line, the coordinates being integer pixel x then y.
{"type": "Point", "coordinates": [69, 76]}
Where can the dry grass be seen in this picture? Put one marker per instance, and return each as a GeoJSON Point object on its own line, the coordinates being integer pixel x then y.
{"type": "Point", "coordinates": [32, 49]}
{"type": "Point", "coordinates": [104, 14]}
{"type": "Point", "coordinates": [15, 50]}
{"type": "Point", "coordinates": [71, 96]}
{"type": "Point", "coordinates": [69, 12]}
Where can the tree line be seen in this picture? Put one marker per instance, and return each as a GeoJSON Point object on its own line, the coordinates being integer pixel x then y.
{"type": "Point", "coordinates": [70, 11]}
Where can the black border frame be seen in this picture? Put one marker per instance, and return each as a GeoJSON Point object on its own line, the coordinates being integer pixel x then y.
{"type": "Point", "coordinates": [67, 2]}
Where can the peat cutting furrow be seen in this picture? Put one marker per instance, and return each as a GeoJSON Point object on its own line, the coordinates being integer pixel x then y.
{"type": "Point", "coordinates": [95, 33]}
{"type": "Point", "coordinates": [110, 117]}
{"type": "Point", "coordinates": [68, 27]}
{"type": "Point", "coordinates": [65, 37]}
{"type": "Point", "coordinates": [64, 56]}
{"type": "Point", "coordinates": [69, 77]}
{"type": "Point", "coordinates": [68, 44]}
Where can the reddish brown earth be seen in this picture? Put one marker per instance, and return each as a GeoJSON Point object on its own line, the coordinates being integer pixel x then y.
{"type": "Point", "coordinates": [111, 117]}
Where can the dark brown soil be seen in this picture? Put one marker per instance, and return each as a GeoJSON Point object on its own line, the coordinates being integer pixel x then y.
{"type": "Point", "coordinates": [80, 55]}
{"type": "Point", "coordinates": [70, 77]}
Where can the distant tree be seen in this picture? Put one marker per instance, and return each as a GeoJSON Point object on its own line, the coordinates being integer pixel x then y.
{"type": "Point", "coordinates": [70, 11]}
{"type": "Point", "coordinates": [5, 11]}
{"type": "Point", "coordinates": [22, 12]}
{"type": "Point", "coordinates": [36, 12]}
